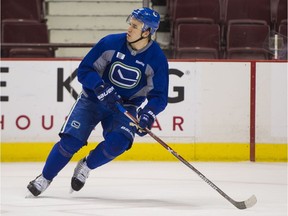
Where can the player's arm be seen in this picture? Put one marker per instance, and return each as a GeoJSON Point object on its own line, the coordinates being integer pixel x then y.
{"type": "Point", "coordinates": [157, 98]}
{"type": "Point", "coordinates": [90, 76]}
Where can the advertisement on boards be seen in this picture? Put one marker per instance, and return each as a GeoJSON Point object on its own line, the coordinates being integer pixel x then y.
{"type": "Point", "coordinates": [36, 97]}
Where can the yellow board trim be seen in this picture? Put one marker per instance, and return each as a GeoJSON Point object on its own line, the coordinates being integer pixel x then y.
{"type": "Point", "coordinates": [30, 152]}
{"type": "Point", "coordinates": [270, 152]}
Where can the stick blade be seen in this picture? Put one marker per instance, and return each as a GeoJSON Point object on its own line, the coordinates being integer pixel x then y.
{"type": "Point", "coordinates": [247, 203]}
{"type": "Point", "coordinates": [251, 201]}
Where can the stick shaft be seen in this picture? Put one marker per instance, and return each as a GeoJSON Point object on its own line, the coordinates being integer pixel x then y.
{"type": "Point", "coordinates": [240, 205]}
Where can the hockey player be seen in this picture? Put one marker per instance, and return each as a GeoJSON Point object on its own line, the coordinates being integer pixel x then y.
{"type": "Point", "coordinates": [125, 68]}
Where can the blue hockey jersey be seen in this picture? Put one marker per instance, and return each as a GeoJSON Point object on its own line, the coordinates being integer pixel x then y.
{"type": "Point", "coordinates": [136, 75]}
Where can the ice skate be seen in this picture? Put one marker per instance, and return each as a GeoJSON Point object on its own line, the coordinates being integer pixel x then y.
{"type": "Point", "coordinates": [38, 185]}
{"type": "Point", "coordinates": [81, 173]}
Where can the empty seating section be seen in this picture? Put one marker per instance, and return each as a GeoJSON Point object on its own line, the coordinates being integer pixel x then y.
{"type": "Point", "coordinates": [283, 35]}
{"type": "Point", "coordinates": [198, 41]}
{"type": "Point", "coordinates": [247, 30]}
{"type": "Point", "coordinates": [255, 11]}
{"type": "Point", "coordinates": [208, 29]}
{"type": "Point", "coordinates": [283, 31]}
{"type": "Point", "coordinates": [204, 11]}
{"type": "Point", "coordinates": [190, 21]}
{"type": "Point", "coordinates": [21, 9]}
{"type": "Point", "coordinates": [283, 39]}
{"type": "Point", "coordinates": [281, 15]}
{"type": "Point", "coordinates": [244, 27]}
{"type": "Point", "coordinates": [245, 41]}
{"type": "Point", "coordinates": [25, 31]}
{"type": "Point", "coordinates": [22, 22]}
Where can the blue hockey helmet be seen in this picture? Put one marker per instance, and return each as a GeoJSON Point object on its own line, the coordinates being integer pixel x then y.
{"type": "Point", "coordinates": [148, 17]}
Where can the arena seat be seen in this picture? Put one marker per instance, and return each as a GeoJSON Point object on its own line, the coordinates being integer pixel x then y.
{"type": "Point", "coordinates": [22, 9]}
{"type": "Point", "coordinates": [206, 10]}
{"type": "Point", "coordinates": [193, 11]}
{"type": "Point", "coordinates": [283, 34]}
{"type": "Point", "coordinates": [197, 41]}
{"type": "Point", "coordinates": [246, 41]}
{"type": "Point", "coordinates": [281, 16]}
{"type": "Point", "coordinates": [256, 11]}
{"type": "Point", "coordinates": [25, 31]}
{"type": "Point", "coordinates": [283, 30]}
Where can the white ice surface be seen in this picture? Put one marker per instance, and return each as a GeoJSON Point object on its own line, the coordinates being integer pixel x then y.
{"type": "Point", "coordinates": [148, 189]}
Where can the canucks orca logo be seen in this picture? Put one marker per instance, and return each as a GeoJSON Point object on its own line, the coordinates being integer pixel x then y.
{"type": "Point", "coordinates": [124, 76]}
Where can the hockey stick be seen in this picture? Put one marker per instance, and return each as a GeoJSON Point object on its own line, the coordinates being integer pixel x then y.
{"type": "Point", "coordinates": [238, 204]}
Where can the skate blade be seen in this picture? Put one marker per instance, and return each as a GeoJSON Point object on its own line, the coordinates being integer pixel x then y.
{"type": "Point", "coordinates": [29, 195]}
{"type": "Point", "coordinates": [71, 190]}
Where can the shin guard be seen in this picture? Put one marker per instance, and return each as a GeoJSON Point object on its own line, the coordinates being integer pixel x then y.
{"type": "Point", "coordinates": [60, 155]}
{"type": "Point", "coordinates": [114, 145]}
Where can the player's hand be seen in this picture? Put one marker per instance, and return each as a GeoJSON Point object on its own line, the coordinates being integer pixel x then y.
{"type": "Point", "coordinates": [108, 96]}
{"type": "Point", "coordinates": [146, 119]}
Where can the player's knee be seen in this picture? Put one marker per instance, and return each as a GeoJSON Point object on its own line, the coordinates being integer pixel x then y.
{"type": "Point", "coordinates": [116, 144]}
{"type": "Point", "coordinates": [69, 145]}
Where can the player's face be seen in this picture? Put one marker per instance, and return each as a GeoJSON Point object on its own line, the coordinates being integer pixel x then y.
{"type": "Point", "coordinates": [134, 30]}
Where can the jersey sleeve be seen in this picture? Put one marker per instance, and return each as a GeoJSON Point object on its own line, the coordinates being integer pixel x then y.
{"type": "Point", "coordinates": [158, 96]}
{"type": "Point", "coordinates": [89, 71]}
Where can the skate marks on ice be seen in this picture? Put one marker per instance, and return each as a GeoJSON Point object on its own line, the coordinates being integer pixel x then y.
{"type": "Point", "coordinates": [107, 203]}
{"type": "Point", "coordinates": [120, 202]}
{"type": "Point", "coordinates": [148, 189]}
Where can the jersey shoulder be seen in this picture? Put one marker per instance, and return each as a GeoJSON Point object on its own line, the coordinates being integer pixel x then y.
{"type": "Point", "coordinates": [113, 39]}
{"type": "Point", "coordinates": [157, 55]}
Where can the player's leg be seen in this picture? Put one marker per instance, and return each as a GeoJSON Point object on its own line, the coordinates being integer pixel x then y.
{"type": "Point", "coordinates": [119, 135]}
{"type": "Point", "coordinates": [74, 135]}
{"type": "Point", "coordinates": [58, 157]}
{"type": "Point", "coordinates": [114, 145]}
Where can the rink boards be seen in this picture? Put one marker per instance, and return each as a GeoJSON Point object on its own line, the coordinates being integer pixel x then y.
{"type": "Point", "coordinates": [219, 111]}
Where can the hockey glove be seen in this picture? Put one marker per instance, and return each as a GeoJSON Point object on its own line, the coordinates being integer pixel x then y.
{"type": "Point", "coordinates": [146, 119]}
{"type": "Point", "coordinates": [108, 96]}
